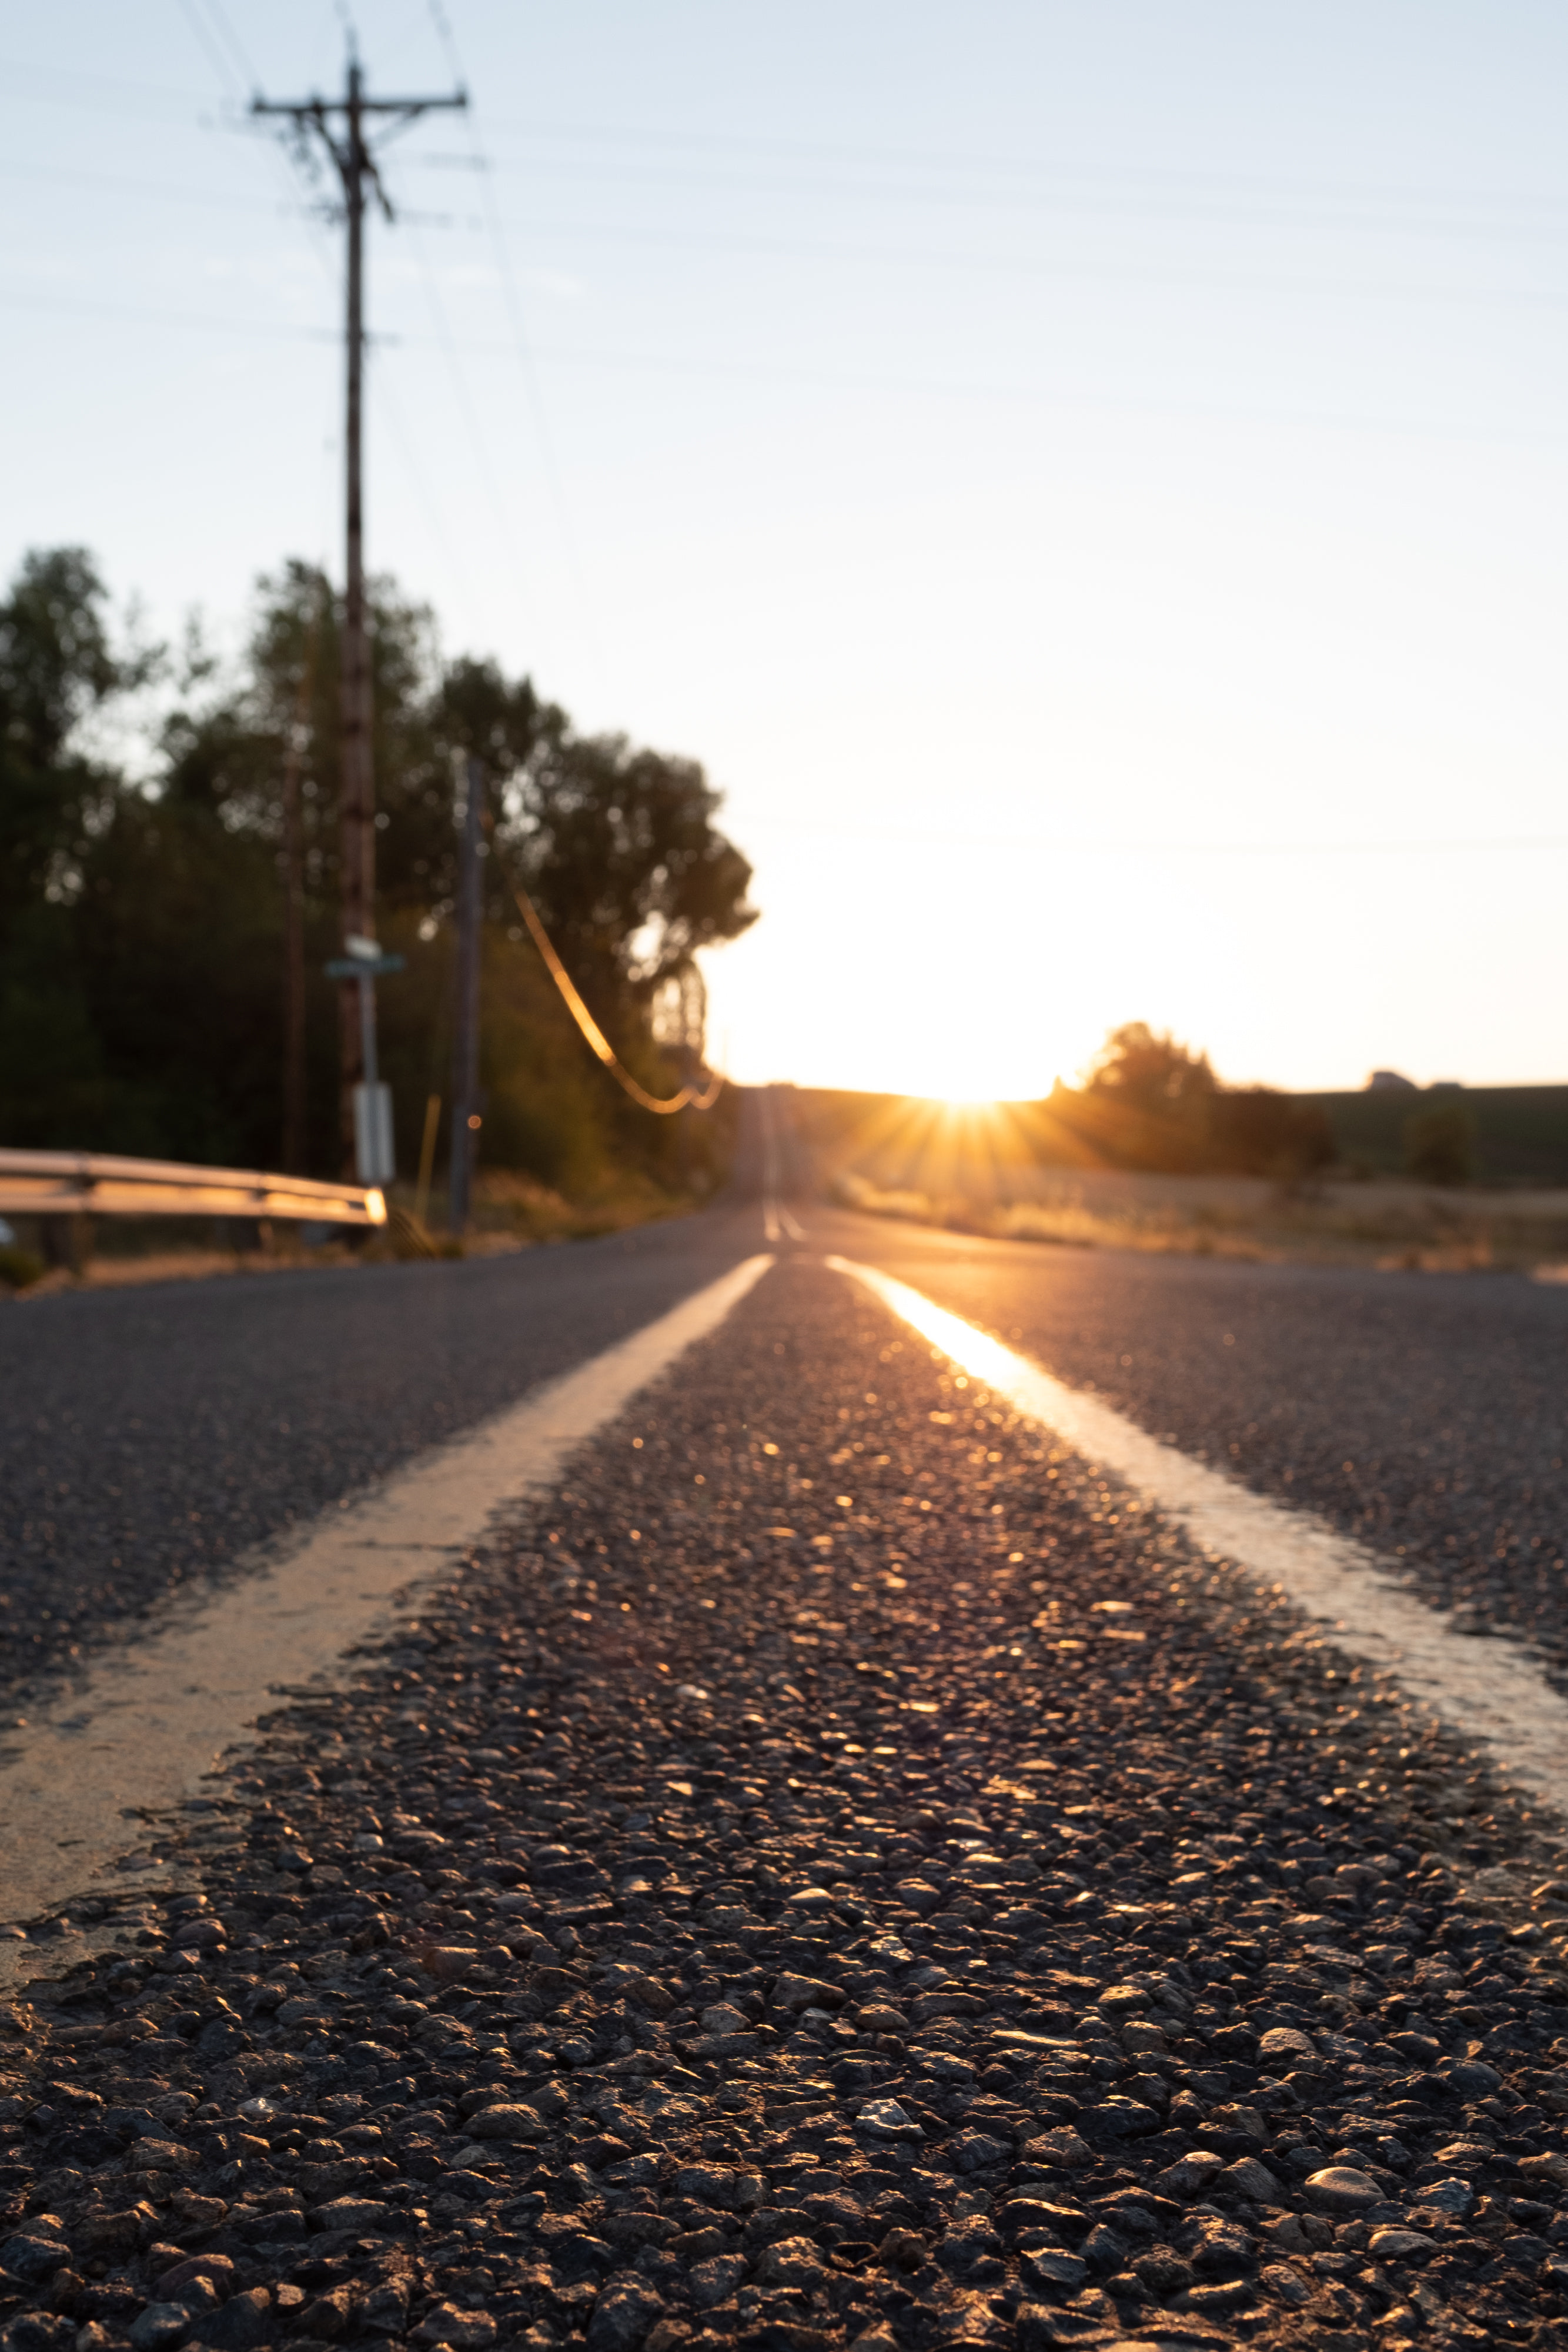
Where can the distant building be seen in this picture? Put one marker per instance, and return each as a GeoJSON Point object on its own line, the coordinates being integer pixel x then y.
{"type": "Point", "coordinates": [1391, 1082]}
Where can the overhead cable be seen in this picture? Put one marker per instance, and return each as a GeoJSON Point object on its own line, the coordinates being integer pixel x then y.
{"type": "Point", "coordinates": [699, 1100]}
{"type": "Point", "coordinates": [522, 341]}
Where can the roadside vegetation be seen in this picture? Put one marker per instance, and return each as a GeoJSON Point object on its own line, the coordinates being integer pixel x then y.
{"type": "Point", "coordinates": [1394, 1226]}
{"type": "Point", "coordinates": [159, 806]}
{"type": "Point", "coordinates": [1153, 1152]}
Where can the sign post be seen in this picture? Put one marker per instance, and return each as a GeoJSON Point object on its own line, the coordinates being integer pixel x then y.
{"type": "Point", "coordinates": [374, 1158]}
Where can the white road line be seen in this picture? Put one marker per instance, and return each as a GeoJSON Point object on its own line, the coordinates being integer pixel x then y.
{"type": "Point", "coordinates": [138, 1735]}
{"type": "Point", "coordinates": [777, 1218]}
{"type": "Point", "coordinates": [1486, 1689]}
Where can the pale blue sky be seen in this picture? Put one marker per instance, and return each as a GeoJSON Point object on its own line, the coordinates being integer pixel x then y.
{"type": "Point", "coordinates": [1088, 479]}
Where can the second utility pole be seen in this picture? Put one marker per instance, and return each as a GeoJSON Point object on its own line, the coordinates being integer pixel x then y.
{"type": "Point", "coordinates": [465, 1048]}
{"type": "Point", "coordinates": [312, 119]}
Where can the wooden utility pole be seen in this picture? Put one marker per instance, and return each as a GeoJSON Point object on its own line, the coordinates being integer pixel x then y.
{"type": "Point", "coordinates": [294, 1085]}
{"type": "Point", "coordinates": [465, 1043]}
{"type": "Point", "coordinates": [293, 962]}
{"type": "Point", "coordinates": [342, 126]}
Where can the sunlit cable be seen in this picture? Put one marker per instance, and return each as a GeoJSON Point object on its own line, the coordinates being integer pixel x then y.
{"type": "Point", "coordinates": [599, 1042]}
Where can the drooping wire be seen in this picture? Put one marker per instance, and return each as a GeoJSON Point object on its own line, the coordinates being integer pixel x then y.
{"type": "Point", "coordinates": [419, 481]}
{"type": "Point", "coordinates": [522, 339]}
{"type": "Point", "coordinates": [231, 40]}
{"type": "Point", "coordinates": [447, 345]}
{"type": "Point", "coordinates": [207, 41]}
{"type": "Point", "coordinates": [699, 1100]}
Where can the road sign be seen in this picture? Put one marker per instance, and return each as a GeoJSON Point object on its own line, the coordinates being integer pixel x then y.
{"type": "Point", "coordinates": [364, 967]}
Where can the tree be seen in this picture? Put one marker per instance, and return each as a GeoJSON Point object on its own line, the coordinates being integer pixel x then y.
{"type": "Point", "coordinates": [629, 873]}
{"type": "Point", "coordinates": [58, 667]}
{"type": "Point", "coordinates": [1151, 1102]}
{"type": "Point", "coordinates": [141, 920]}
{"type": "Point", "coordinates": [1149, 1073]}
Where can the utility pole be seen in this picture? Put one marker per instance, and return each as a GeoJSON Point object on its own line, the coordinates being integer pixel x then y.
{"type": "Point", "coordinates": [343, 126]}
{"type": "Point", "coordinates": [465, 1043]}
{"type": "Point", "coordinates": [294, 1075]}
{"type": "Point", "coordinates": [293, 963]}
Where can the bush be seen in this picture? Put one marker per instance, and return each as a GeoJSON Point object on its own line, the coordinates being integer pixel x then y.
{"type": "Point", "coordinates": [1439, 1145]}
{"type": "Point", "coordinates": [1256, 1132]}
{"type": "Point", "coordinates": [19, 1266]}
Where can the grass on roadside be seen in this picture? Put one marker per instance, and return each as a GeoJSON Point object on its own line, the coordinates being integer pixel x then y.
{"type": "Point", "coordinates": [1394, 1226]}
{"type": "Point", "coordinates": [510, 1213]}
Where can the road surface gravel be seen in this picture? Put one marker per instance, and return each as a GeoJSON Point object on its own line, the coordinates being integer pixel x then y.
{"type": "Point", "coordinates": [836, 1872]}
{"type": "Point", "coordinates": [1425, 1414]}
{"type": "Point", "coordinates": [152, 1438]}
{"type": "Point", "coordinates": [159, 1436]}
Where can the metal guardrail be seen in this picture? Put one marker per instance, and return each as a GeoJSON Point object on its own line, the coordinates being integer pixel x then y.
{"type": "Point", "coordinates": [96, 1184]}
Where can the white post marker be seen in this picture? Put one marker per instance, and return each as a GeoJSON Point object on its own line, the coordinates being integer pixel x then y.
{"type": "Point", "coordinates": [375, 1158]}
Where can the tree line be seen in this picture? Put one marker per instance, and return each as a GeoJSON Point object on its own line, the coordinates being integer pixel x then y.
{"type": "Point", "coordinates": [1150, 1102]}
{"type": "Point", "coordinates": [147, 865]}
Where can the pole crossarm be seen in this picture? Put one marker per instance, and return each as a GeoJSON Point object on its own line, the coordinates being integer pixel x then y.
{"type": "Point", "coordinates": [349, 150]}
{"type": "Point", "coordinates": [103, 1184]}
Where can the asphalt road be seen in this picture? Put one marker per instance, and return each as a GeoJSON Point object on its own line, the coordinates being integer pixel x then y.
{"type": "Point", "coordinates": [809, 1884]}
{"type": "Point", "coordinates": [1427, 1414]}
{"type": "Point", "coordinates": [148, 1436]}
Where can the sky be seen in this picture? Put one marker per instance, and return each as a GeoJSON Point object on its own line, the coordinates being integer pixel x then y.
{"type": "Point", "coordinates": [1087, 478]}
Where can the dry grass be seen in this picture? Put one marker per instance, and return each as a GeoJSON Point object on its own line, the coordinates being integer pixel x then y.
{"type": "Point", "coordinates": [162, 1265]}
{"type": "Point", "coordinates": [509, 1213]}
{"type": "Point", "coordinates": [1392, 1226]}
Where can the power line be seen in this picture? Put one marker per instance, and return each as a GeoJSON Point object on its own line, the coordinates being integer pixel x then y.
{"type": "Point", "coordinates": [1024, 264]}
{"type": "Point", "coordinates": [208, 44]}
{"type": "Point", "coordinates": [224, 27]}
{"type": "Point", "coordinates": [1150, 195]}
{"type": "Point", "coordinates": [82, 307]}
{"type": "Point", "coordinates": [162, 191]}
{"type": "Point", "coordinates": [837, 250]}
{"type": "Point", "coordinates": [712, 371]}
{"type": "Point", "coordinates": [205, 38]}
{"type": "Point", "coordinates": [420, 481]}
{"type": "Point", "coordinates": [1127, 848]}
{"type": "Point", "coordinates": [1157, 187]}
{"type": "Point", "coordinates": [523, 340]}
{"type": "Point", "coordinates": [479, 441]}
{"type": "Point", "coordinates": [699, 1098]}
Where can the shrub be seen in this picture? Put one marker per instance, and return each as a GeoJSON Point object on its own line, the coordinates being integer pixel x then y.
{"type": "Point", "coordinates": [1256, 1132]}
{"type": "Point", "coordinates": [19, 1266]}
{"type": "Point", "coordinates": [1439, 1145]}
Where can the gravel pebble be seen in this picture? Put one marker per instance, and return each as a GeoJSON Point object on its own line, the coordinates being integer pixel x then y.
{"type": "Point", "coordinates": [150, 1436]}
{"type": "Point", "coordinates": [517, 2017]}
{"type": "Point", "coordinates": [1422, 1413]}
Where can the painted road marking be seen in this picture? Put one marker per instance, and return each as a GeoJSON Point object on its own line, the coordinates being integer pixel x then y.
{"type": "Point", "coordinates": [1490, 1690]}
{"type": "Point", "coordinates": [138, 1733]}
